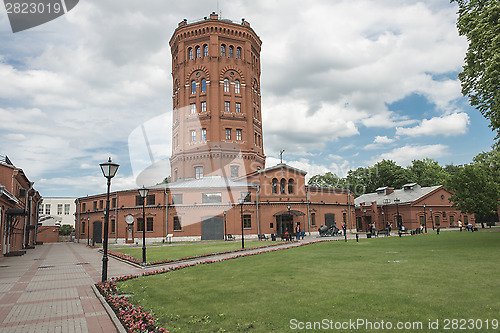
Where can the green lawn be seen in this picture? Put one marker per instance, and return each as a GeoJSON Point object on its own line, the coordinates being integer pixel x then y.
{"type": "Point", "coordinates": [156, 253]}
{"type": "Point", "coordinates": [410, 279]}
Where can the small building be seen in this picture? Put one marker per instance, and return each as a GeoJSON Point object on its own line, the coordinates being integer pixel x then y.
{"type": "Point", "coordinates": [64, 208]}
{"type": "Point", "coordinates": [410, 206]}
{"type": "Point", "coordinates": [18, 209]}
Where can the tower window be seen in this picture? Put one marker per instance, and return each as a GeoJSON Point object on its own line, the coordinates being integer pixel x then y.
{"type": "Point", "coordinates": [238, 53]}
{"type": "Point", "coordinates": [203, 133]}
{"type": "Point", "coordinates": [198, 172]}
{"type": "Point", "coordinates": [238, 134]}
{"type": "Point", "coordinates": [190, 53]}
{"type": "Point", "coordinates": [227, 106]}
{"type": "Point", "coordinates": [238, 107]}
{"type": "Point", "coordinates": [198, 52]}
{"type": "Point", "coordinates": [230, 51]}
{"type": "Point", "coordinates": [223, 50]}
{"type": "Point", "coordinates": [228, 134]}
{"type": "Point", "coordinates": [205, 50]}
{"type": "Point", "coordinates": [193, 135]}
{"type": "Point", "coordinates": [193, 87]}
{"type": "Point", "coordinates": [203, 106]}
{"type": "Point", "coordinates": [203, 85]}
{"type": "Point", "coordinates": [237, 86]}
{"type": "Point", "coordinates": [226, 85]}
{"type": "Point", "coordinates": [193, 108]}
{"type": "Point", "coordinates": [235, 170]}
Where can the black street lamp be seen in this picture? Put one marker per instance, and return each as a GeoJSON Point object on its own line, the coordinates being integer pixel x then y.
{"type": "Point", "coordinates": [400, 223]}
{"type": "Point", "coordinates": [109, 170]}
{"type": "Point", "coordinates": [241, 201]}
{"type": "Point", "coordinates": [143, 192]}
{"type": "Point", "coordinates": [88, 230]}
{"type": "Point", "coordinates": [425, 219]}
{"type": "Point", "coordinates": [430, 210]}
{"type": "Point", "coordinates": [225, 227]}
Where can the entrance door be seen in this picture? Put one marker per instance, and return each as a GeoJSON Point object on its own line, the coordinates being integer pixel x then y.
{"type": "Point", "coordinates": [97, 232]}
{"type": "Point", "coordinates": [329, 220]}
{"type": "Point", "coordinates": [284, 223]}
{"type": "Point", "coordinates": [212, 228]}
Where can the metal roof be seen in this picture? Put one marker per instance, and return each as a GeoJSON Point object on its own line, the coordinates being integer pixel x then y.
{"type": "Point", "coordinates": [282, 165]}
{"type": "Point", "coordinates": [405, 196]}
{"type": "Point", "coordinates": [205, 182]}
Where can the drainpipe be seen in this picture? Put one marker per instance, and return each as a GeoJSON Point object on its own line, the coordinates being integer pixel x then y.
{"type": "Point", "coordinates": [31, 216]}
{"type": "Point", "coordinates": [349, 208]}
{"type": "Point", "coordinates": [77, 223]}
{"type": "Point", "coordinates": [37, 205]}
{"type": "Point", "coordinates": [166, 214]}
{"type": "Point", "coordinates": [116, 217]}
{"type": "Point", "coordinates": [308, 213]}
{"type": "Point", "coordinates": [26, 243]}
{"type": "Point", "coordinates": [257, 204]}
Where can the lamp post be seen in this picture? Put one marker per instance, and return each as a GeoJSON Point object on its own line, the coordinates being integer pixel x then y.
{"type": "Point", "coordinates": [109, 170]}
{"type": "Point", "coordinates": [364, 219]}
{"type": "Point", "coordinates": [241, 201]}
{"type": "Point", "coordinates": [225, 227]}
{"type": "Point", "coordinates": [88, 230]}
{"type": "Point", "coordinates": [396, 201]}
{"type": "Point", "coordinates": [143, 192]}
{"type": "Point", "coordinates": [291, 231]}
{"type": "Point", "coordinates": [425, 219]}
{"type": "Point", "coordinates": [432, 220]}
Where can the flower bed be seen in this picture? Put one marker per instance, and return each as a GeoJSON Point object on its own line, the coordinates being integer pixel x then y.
{"type": "Point", "coordinates": [168, 261]}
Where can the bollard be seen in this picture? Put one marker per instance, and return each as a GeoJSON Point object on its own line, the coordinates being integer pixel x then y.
{"type": "Point", "coordinates": [438, 231]}
{"type": "Point", "coordinates": [357, 238]}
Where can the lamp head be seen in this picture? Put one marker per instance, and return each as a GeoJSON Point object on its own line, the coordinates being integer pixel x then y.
{"type": "Point", "coordinates": [109, 169]}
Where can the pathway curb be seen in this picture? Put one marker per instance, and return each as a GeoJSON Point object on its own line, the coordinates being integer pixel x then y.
{"type": "Point", "coordinates": [112, 315]}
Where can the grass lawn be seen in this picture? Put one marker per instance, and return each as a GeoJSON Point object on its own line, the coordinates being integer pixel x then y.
{"type": "Point", "coordinates": [156, 253]}
{"type": "Point", "coordinates": [410, 279]}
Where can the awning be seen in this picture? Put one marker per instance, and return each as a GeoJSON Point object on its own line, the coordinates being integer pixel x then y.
{"type": "Point", "coordinates": [16, 211]}
{"type": "Point", "coordinates": [292, 212]}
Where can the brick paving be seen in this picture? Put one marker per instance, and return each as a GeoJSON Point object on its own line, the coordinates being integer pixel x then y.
{"type": "Point", "coordinates": [49, 289]}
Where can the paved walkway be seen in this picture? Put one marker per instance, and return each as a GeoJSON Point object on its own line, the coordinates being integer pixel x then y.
{"type": "Point", "coordinates": [49, 289]}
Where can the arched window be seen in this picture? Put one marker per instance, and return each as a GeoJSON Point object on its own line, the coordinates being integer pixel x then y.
{"type": "Point", "coordinates": [205, 50]}
{"type": "Point", "coordinates": [190, 53]}
{"type": "Point", "coordinates": [230, 51]}
{"type": "Point", "coordinates": [238, 53]}
{"type": "Point", "coordinates": [226, 85]}
{"type": "Point", "coordinates": [198, 52]}
{"type": "Point", "coordinates": [237, 86]}
{"type": "Point", "coordinates": [203, 85]}
{"type": "Point", "coordinates": [283, 186]}
{"type": "Point", "coordinates": [290, 186]}
{"type": "Point", "coordinates": [223, 50]}
{"type": "Point", "coordinates": [274, 184]}
{"type": "Point", "coordinates": [193, 87]}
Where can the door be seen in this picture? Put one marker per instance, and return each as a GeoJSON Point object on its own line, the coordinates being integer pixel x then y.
{"type": "Point", "coordinates": [330, 220]}
{"type": "Point", "coordinates": [284, 223]}
{"type": "Point", "coordinates": [212, 228]}
{"type": "Point", "coordinates": [97, 232]}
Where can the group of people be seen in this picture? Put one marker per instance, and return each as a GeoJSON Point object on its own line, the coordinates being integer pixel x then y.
{"type": "Point", "coordinates": [298, 234]}
{"type": "Point", "coordinates": [468, 227]}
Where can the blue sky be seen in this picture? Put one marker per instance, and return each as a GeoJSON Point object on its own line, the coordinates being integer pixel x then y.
{"type": "Point", "coordinates": [344, 84]}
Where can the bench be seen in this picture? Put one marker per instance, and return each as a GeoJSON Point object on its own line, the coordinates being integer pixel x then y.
{"type": "Point", "coordinates": [230, 237]}
{"type": "Point", "coordinates": [262, 237]}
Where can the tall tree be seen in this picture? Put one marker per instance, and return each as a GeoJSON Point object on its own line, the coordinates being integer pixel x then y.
{"type": "Point", "coordinates": [427, 172]}
{"type": "Point", "coordinates": [479, 21]}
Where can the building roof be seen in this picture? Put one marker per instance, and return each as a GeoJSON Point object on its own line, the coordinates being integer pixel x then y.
{"type": "Point", "coordinates": [9, 195]}
{"type": "Point", "coordinates": [282, 165]}
{"type": "Point", "coordinates": [408, 194]}
{"type": "Point", "coordinates": [205, 182]}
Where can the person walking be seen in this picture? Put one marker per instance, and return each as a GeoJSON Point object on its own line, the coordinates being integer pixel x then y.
{"type": "Point", "coordinates": [460, 225]}
{"type": "Point", "coordinates": [297, 232]}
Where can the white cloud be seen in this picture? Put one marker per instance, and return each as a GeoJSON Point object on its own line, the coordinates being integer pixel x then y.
{"type": "Point", "coordinates": [448, 125]}
{"type": "Point", "coordinates": [404, 155]}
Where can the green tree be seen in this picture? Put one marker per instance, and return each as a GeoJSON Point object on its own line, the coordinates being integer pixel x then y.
{"type": "Point", "coordinates": [479, 21]}
{"type": "Point", "coordinates": [66, 230]}
{"type": "Point", "coordinates": [427, 172]}
{"type": "Point", "coordinates": [387, 173]}
{"type": "Point", "coordinates": [476, 191]}
{"type": "Point", "coordinates": [327, 180]}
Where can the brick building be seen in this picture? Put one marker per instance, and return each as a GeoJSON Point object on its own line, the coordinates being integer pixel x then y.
{"type": "Point", "coordinates": [217, 155]}
{"type": "Point", "coordinates": [18, 209]}
{"type": "Point", "coordinates": [410, 206]}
